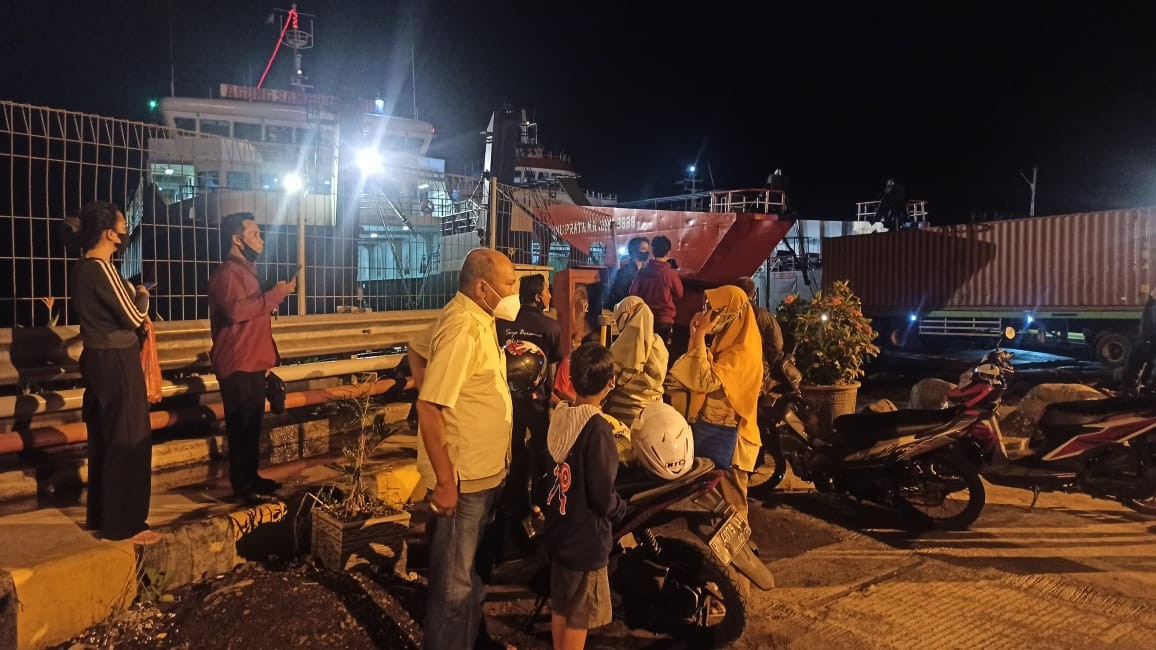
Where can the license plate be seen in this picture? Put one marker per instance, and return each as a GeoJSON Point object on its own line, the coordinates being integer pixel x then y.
{"type": "Point", "coordinates": [730, 537]}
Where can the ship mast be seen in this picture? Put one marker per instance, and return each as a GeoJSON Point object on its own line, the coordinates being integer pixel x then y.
{"type": "Point", "coordinates": [297, 35]}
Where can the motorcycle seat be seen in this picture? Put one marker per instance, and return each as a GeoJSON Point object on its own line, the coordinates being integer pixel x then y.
{"type": "Point", "coordinates": [636, 484]}
{"type": "Point", "coordinates": [872, 427]}
{"type": "Point", "coordinates": [1069, 414]}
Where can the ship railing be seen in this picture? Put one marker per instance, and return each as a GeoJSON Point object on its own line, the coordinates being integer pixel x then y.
{"type": "Point", "coordinates": [761, 200]}
{"type": "Point", "coordinates": [869, 210]}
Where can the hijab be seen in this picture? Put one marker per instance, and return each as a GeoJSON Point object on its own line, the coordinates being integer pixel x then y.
{"type": "Point", "coordinates": [636, 340]}
{"type": "Point", "coordinates": [737, 354]}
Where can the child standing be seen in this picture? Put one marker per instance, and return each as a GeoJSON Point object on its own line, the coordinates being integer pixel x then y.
{"type": "Point", "coordinates": [582, 504]}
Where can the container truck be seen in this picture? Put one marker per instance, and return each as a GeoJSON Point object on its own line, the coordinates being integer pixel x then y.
{"type": "Point", "coordinates": [1079, 279]}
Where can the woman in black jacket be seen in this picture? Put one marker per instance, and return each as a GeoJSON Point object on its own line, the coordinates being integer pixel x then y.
{"type": "Point", "coordinates": [112, 320]}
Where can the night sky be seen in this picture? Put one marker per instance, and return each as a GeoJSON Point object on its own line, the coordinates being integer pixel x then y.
{"type": "Point", "coordinates": [953, 101]}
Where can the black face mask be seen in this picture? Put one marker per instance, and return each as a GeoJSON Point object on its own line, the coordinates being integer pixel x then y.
{"type": "Point", "coordinates": [122, 245]}
{"type": "Point", "coordinates": [249, 254]}
{"type": "Point", "coordinates": [642, 257]}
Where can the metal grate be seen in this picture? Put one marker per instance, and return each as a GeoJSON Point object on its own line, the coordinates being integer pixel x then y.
{"type": "Point", "coordinates": [389, 242]}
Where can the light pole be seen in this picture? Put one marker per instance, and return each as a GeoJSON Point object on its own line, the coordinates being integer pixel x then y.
{"type": "Point", "coordinates": [1032, 184]}
{"type": "Point", "coordinates": [293, 184]}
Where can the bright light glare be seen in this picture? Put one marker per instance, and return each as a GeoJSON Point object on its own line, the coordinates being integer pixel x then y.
{"type": "Point", "coordinates": [169, 172]}
{"type": "Point", "coordinates": [622, 251]}
{"type": "Point", "coordinates": [369, 161]}
{"type": "Point", "coordinates": [912, 317]}
{"type": "Point", "coordinates": [293, 182]}
{"type": "Point", "coordinates": [1031, 319]}
{"type": "Point", "coordinates": [823, 317]}
{"type": "Point", "coordinates": [691, 169]}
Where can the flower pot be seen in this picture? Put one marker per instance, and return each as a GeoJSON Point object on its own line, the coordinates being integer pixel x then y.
{"type": "Point", "coordinates": [826, 403]}
{"type": "Point", "coordinates": [339, 545]}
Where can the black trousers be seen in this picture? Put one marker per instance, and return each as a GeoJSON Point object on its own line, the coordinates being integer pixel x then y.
{"type": "Point", "coordinates": [243, 395]}
{"type": "Point", "coordinates": [504, 537]}
{"type": "Point", "coordinates": [525, 455]}
{"type": "Point", "coordinates": [120, 446]}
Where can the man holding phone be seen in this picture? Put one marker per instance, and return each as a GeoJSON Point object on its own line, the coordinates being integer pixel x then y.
{"type": "Point", "coordinates": [243, 349]}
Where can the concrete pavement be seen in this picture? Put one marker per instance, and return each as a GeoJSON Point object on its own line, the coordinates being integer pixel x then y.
{"type": "Point", "coordinates": [66, 580]}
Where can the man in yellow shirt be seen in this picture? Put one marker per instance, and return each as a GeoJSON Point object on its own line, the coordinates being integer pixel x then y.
{"type": "Point", "coordinates": [465, 419]}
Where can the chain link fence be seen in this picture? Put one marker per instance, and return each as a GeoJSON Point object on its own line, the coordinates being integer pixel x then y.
{"type": "Point", "coordinates": [393, 241]}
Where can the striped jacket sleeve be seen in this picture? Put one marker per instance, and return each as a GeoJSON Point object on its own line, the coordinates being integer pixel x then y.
{"type": "Point", "coordinates": [111, 291]}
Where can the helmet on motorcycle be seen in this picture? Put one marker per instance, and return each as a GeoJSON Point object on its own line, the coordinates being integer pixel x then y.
{"type": "Point", "coordinates": [525, 367]}
{"type": "Point", "coordinates": [662, 441]}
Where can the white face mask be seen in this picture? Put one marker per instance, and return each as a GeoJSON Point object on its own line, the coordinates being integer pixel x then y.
{"type": "Point", "coordinates": [507, 308]}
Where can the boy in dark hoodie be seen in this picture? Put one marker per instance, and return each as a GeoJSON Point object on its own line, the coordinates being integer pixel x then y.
{"type": "Point", "coordinates": [582, 504]}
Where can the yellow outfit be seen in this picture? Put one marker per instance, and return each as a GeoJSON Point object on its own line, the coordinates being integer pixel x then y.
{"type": "Point", "coordinates": [725, 380]}
{"type": "Point", "coordinates": [466, 375]}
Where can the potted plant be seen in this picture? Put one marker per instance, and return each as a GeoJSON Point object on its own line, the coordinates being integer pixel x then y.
{"type": "Point", "coordinates": [832, 340]}
{"type": "Point", "coordinates": [350, 521]}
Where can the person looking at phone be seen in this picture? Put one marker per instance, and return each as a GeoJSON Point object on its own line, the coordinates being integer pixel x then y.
{"type": "Point", "coordinates": [725, 379]}
{"type": "Point", "coordinates": [243, 349]}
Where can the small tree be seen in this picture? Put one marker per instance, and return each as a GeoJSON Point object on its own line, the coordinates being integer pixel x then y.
{"type": "Point", "coordinates": [831, 336]}
{"type": "Point", "coordinates": [353, 499]}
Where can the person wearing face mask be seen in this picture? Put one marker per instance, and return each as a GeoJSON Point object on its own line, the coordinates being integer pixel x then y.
{"type": "Point", "coordinates": [465, 419]}
{"type": "Point", "coordinates": [243, 349]}
{"type": "Point", "coordinates": [532, 402]}
{"type": "Point", "coordinates": [724, 381]}
{"type": "Point", "coordinates": [659, 285]}
{"type": "Point", "coordinates": [112, 319]}
{"type": "Point", "coordinates": [637, 255]}
{"type": "Point", "coordinates": [640, 361]}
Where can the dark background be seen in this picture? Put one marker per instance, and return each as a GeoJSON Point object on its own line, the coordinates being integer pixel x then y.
{"type": "Point", "coordinates": [954, 101]}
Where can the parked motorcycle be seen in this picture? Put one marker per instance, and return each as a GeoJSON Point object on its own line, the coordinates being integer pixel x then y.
{"type": "Point", "coordinates": [908, 459]}
{"type": "Point", "coordinates": [1105, 448]}
{"type": "Point", "coordinates": [699, 599]}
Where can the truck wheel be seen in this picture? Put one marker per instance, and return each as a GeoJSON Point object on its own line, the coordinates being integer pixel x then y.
{"type": "Point", "coordinates": [900, 335]}
{"type": "Point", "coordinates": [1112, 348]}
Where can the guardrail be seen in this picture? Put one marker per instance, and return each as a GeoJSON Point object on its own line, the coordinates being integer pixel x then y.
{"type": "Point", "coordinates": [38, 355]}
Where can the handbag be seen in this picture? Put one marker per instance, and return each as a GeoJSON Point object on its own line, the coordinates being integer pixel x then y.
{"type": "Point", "coordinates": [150, 362]}
{"type": "Point", "coordinates": [275, 392]}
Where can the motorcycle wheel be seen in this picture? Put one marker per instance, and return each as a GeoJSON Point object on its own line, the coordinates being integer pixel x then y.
{"type": "Point", "coordinates": [770, 468]}
{"type": "Point", "coordinates": [1145, 506]}
{"type": "Point", "coordinates": [932, 497]}
{"type": "Point", "coordinates": [696, 588]}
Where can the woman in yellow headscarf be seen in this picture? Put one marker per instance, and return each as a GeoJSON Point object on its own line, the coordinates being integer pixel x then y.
{"type": "Point", "coordinates": [724, 381]}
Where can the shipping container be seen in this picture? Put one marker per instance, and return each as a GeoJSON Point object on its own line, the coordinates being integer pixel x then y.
{"type": "Point", "coordinates": [1076, 278]}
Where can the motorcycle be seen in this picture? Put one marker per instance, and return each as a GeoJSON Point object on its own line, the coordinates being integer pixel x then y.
{"type": "Point", "coordinates": [1105, 448]}
{"type": "Point", "coordinates": [700, 597]}
{"type": "Point", "coordinates": [908, 459]}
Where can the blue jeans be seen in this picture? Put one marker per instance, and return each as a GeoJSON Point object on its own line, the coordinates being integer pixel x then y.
{"type": "Point", "coordinates": [716, 442]}
{"type": "Point", "coordinates": [456, 591]}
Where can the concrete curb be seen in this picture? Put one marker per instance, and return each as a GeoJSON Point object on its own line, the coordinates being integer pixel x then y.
{"type": "Point", "coordinates": [66, 580]}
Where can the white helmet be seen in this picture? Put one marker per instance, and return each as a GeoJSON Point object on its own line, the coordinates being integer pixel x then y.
{"type": "Point", "coordinates": [662, 441]}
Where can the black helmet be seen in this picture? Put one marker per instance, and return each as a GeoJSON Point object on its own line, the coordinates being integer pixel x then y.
{"type": "Point", "coordinates": [525, 367]}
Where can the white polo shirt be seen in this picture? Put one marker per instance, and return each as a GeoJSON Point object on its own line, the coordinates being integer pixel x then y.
{"type": "Point", "coordinates": [466, 375]}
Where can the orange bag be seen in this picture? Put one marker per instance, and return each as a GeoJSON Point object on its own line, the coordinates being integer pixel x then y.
{"type": "Point", "coordinates": [150, 362]}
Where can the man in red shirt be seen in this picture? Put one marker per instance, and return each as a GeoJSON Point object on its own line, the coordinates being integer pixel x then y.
{"type": "Point", "coordinates": [660, 288]}
{"type": "Point", "coordinates": [243, 349]}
